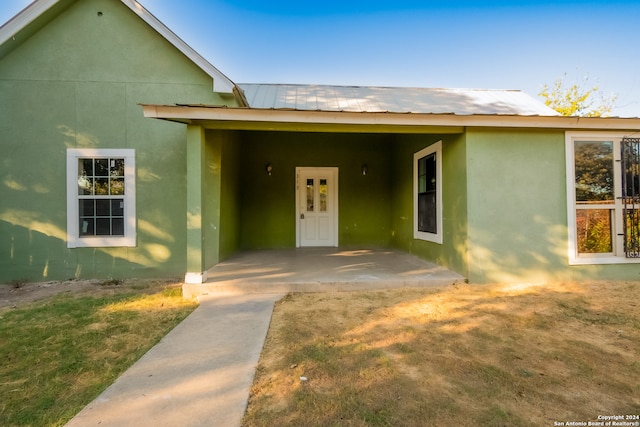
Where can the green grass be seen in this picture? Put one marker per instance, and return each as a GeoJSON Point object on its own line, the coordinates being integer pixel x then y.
{"type": "Point", "coordinates": [59, 354]}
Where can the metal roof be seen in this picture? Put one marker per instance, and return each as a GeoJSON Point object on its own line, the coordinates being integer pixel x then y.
{"type": "Point", "coordinates": [393, 100]}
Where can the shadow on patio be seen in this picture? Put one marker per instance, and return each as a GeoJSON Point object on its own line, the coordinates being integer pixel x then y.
{"type": "Point", "coordinates": [320, 270]}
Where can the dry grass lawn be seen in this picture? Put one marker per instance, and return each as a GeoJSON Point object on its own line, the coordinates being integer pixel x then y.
{"type": "Point", "coordinates": [463, 355]}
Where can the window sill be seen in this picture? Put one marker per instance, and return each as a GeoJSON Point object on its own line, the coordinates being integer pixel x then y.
{"type": "Point", "coordinates": [429, 237]}
{"type": "Point", "coordinates": [102, 242]}
{"type": "Point", "coordinates": [603, 260]}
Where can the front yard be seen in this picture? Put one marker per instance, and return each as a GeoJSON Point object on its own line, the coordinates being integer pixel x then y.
{"type": "Point", "coordinates": [60, 352]}
{"type": "Point", "coordinates": [463, 355]}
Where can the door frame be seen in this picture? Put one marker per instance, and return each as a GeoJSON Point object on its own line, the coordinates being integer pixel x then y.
{"type": "Point", "coordinates": [332, 201]}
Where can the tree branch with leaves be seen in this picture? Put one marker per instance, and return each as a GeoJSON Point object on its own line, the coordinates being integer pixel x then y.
{"type": "Point", "coordinates": [575, 100]}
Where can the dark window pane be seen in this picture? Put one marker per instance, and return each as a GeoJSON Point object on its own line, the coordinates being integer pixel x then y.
{"type": "Point", "coordinates": [427, 212]}
{"type": "Point", "coordinates": [85, 167]}
{"type": "Point", "coordinates": [310, 194]}
{"type": "Point", "coordinates": [103, 226]}
{"type": "Point", "coordinates": [87, 227]}
{"type": "Point", "coordinates": [87, 207]}
{"type": "Point", "coordinates": [427, 194]}
{"type": "Point", "coordinates": [631, 171]}
{"type": "Point", "coordinates": [103, 207]}
{"type": "Point", "coordinates": [632, 233]}
{"type": "Point", "coordinates": [117, 207]}
{"type": "Point", "coordinates": [118, 227]}
{"type": "Point", "coordinates": [102, 167]}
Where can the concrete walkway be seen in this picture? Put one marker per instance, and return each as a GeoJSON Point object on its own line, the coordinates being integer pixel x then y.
{"type": "Point", "coordinates": [198, 375]}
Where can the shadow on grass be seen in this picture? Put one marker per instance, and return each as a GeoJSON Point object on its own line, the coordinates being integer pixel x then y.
{"type": "Point", "coordinates": [61, 353]}
{"type": "Point", "coordinates": [461, 355]}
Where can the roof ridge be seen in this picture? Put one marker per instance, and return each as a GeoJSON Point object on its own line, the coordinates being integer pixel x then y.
{"type": "Point", "coordinates": [323, 85]}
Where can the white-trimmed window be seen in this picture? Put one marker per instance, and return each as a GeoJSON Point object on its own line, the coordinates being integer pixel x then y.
{"type": "Point", "coordinates": [101, 208]}
{"type": "Point", "coordinates": [427, 193]}
{"type": "Point", "coordinates": [602, 215]}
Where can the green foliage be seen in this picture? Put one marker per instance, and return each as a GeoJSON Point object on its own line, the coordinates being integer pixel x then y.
{"type": "Point", "coordinates": [575, 100]}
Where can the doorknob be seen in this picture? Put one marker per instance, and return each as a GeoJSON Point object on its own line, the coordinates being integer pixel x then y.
{"type": "Point", "coordinates": [301, 216]}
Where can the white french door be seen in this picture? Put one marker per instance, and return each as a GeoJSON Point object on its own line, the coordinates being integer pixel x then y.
{"type": "Point", "coordinates": [316, 206]}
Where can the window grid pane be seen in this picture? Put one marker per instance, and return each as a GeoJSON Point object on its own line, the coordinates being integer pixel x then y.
{"type": "Point", "coordinates": [310, 194]}
{"type": "Point", "coordinates": [323, 195]}
{"type": "Point", "coordinates": [102, 215]}
{"type": "Point", "coordinates": [594, 230]}
{"type": "Point", "coordinates": [594, 177]}
{"type": "Point", "coordinates": [427, 194]}
{"type": "Point", "coordinates": [103, 177]}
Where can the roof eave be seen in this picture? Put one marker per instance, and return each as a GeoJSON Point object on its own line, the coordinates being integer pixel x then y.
{"type": "Point", "coordinates": [221, 83]}
{"type": "Point", "coordinates": [190, 114]}
{"type": "Point", "coordinates": [25, 17]}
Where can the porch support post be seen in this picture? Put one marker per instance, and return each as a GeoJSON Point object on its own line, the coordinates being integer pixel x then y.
{"type": "Point", "coordinates": [196, 272]}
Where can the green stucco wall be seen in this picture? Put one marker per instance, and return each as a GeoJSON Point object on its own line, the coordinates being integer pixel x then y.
{"type": "Point", "coordinates": [517, 208]}
{"type": "Point", "coordinates": [77, 83]}
{"type": "Point", "coordinates": [229, 195]}
{"type": "Point", "coordinates": [268, 202]}
{"type": "Point", "coordinates": [220, 197]}
{"type": "Point", "coordinates": [452, 253]}
{"type": "Point", "coordinates": [516, 205]}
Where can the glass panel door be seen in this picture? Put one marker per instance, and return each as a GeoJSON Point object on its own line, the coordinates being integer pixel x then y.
{"type": "Point", "coordinates": [317, 207]}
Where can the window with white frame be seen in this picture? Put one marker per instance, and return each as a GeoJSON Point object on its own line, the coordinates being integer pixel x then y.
{"type": "Point", "coordinates": [427, 193]}
{"type": "Point", "coordinates": [101, 207]}
{"type": "Point", "coordinates": [602, 198]}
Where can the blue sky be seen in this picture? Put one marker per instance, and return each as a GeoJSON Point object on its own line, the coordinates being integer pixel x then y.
{"type": "Point", "coordinates": [498, 44]}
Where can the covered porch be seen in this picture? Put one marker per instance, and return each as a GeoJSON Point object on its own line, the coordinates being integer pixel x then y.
{"type": "Point", "coordinates": [320, 270]}
{"type": "Point", "coordinates": [249, 177]}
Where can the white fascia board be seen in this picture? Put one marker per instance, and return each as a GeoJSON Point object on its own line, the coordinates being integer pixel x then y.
{"type": "Point", "coordinates": [413, 119]}
{"type": "Point", "coordinates": [24, 18]}
{"type": "Point", "coordinates": [221, 83]}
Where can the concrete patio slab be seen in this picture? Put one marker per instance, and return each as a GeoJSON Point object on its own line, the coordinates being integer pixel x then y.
{"type": "Point", "coordinates": [320, 270]}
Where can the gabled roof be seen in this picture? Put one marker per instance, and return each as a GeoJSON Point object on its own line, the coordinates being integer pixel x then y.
{"type": "Point", "coordinates": [40, 8]}
{"type": "Point", "coordinates": [393, 100]}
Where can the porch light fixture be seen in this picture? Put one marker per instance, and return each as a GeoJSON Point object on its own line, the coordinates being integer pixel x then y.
{"type": "Point", "coordinates": [365, 169]}
{"type": "Point", "coordinates": [269, 169]}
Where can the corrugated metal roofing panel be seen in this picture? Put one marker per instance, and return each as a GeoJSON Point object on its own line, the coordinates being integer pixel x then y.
{"type": "Point", "coordinates": [393, 99]}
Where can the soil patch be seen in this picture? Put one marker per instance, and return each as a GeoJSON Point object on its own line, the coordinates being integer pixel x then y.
{"type": "Point", "coordinates": [20, 294]}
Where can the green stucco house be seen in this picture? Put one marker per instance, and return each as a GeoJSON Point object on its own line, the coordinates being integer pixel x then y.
{"type": "Point", "coordinates": [124, 153]}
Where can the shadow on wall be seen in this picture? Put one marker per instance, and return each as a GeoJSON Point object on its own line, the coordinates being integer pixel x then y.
{"type": "Point", "coordinates": [540, 256]}
{"type": "Point", "coordinates": [34, 248]}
